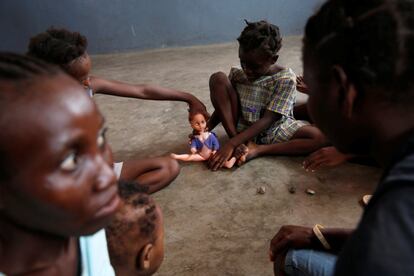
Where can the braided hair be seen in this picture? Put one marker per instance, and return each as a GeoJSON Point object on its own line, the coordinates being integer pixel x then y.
{"type": "Point", "coordinates": [16, 70]}
{"type": "Point", "coordinates": [136, 198]}
{"type": "Point", "coordinates": [15, 67]}
{"type": "Point", "coordinates": [58, 46]}
{"type": "Point", "coordinates": [261, 35]}
{"type": "Point", "coordinates": [372, 40]}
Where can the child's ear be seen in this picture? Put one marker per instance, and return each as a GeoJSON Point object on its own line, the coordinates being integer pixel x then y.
{"type": "Point", "coordinates": [348, 93]}
{"type": "Point", "coordinates": [144, 258]}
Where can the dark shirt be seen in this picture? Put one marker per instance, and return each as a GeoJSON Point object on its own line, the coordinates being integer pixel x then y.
{"type": "Point", "coordinates": [383, 243]}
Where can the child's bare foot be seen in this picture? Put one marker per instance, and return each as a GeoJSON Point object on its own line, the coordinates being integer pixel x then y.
{"type": "Point", "coordinates": [325, 157]}
{"type": "Point", "coordinates": [240, 151]}
{"type": "Point", "coordinates": [249, 154]}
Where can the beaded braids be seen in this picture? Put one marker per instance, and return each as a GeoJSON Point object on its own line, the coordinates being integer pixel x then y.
{"type": "Point", "coordinates": [262, 35]}
{"type": "Point", "coordinates": [372, 40]}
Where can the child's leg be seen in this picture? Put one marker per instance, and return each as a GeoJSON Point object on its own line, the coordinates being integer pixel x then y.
{"type": "Point", "coordinates": [301, 112]}
{"type": "Point", "coordinates": [226, 104]}
{"type": "Point", "coordinates": [156, 173]}
{"type": "Point", "coordinates": [188, 157]}
{"type": "Point", "coordinates": [306, 139]}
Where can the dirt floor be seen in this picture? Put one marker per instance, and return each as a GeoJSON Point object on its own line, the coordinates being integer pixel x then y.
{"type": "Point", "coordinates": [216, 223]}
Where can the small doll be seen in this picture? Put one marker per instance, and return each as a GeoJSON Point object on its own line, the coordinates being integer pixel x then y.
{"type": "Point", "coordinates": [203, 143]}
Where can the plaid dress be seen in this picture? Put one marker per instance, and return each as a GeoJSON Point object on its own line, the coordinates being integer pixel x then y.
{"type": "Point", "coordinates": [276, 93]}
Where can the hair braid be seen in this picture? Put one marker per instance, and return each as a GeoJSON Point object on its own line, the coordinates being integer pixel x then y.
{"type": "Point", "coordinates": [372, 40]}
{"type": "Point", "coordinates": [263, 35]}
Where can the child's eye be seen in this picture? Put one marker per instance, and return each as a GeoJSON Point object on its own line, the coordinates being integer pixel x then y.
{"type": "Point", "coordinates": [101, 141]}
{"type": "Point", "coordinates": [70, 162]}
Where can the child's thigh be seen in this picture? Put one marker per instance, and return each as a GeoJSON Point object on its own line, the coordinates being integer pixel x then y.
{"type": "Point", "coordinates": [221, 86]}
{"type": "Point", "coordinates": [309, 132]}
{"type": "Point", "coordinates": [133, 169]}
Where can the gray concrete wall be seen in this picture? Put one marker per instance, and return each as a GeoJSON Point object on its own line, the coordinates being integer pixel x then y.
{"type": "Point", "coordinates": [119, 25]}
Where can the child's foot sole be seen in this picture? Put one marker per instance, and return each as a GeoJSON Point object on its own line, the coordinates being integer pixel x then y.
{"type": "Point", "coordinates": [249, 154]}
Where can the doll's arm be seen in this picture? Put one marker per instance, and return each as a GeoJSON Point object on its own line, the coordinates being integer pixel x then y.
{"type": "Point", "coordinates": [146, 92]}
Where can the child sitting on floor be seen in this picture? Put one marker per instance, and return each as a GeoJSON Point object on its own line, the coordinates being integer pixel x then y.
{"type": "Point", "coordinates": [255, 103]}
{"type": "Point", "coordinates": [136, 235]}
{"type": "Point", "coordinates": [68, 50]}
{"type": "Point", "coordinates": [203, 143]}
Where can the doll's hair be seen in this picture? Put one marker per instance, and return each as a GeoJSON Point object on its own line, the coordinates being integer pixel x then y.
{"type": "Point", "coordinates": [19, 71]}
{"type": "Point", "coordinates": [136, 197]}
{"type": "Point", "coordinates": [58, 46]}
{"type": "Point", "coordinates": [372, 40]}
{"type": "Point", "coordinates": [202, 112]}
{"type": "Point", "coordinates": [261, 35]}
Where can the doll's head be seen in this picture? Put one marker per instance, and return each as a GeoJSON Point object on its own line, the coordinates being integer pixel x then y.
{"type": "Point", "coordinates": [198, 121]}
{"type": "Point", "coordinates": [136, 235]}
{"type": "Point", "coordinates": [259, 44]}
{"type": "Point", "coordinates": [64, 48]}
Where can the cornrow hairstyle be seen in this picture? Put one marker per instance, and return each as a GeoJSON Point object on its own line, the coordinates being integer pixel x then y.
{"type": "Point", "coordinates": [17, 69]}
{"type": "Point", "coordinates": [372, 40]}
{"type": "Point", "coordinates": [58, 46]}
{"type": "Point", "coordinates": [262, 35]}
{"type": "Point", "coordinates": [142, 217]}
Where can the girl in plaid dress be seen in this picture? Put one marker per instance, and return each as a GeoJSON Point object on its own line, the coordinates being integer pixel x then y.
{"type": "Point", "coordinates": [255, 103]}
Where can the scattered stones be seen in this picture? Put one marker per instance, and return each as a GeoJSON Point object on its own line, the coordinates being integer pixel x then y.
{"type": "Point", "coordinates": [310, 192]}
{"type": "Point", "coordinates": [261, 190]}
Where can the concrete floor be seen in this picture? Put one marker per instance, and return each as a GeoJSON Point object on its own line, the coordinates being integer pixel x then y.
{"type": "Point", "coordinates": [215, 223]}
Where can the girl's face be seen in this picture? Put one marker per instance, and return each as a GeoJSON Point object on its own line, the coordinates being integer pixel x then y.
{"type": "Point", "coordinates": [63, 182]}
{"type": "Point", "coordinates": [198, 123]}
{"type": "Point", "coordinates": [255, 63]}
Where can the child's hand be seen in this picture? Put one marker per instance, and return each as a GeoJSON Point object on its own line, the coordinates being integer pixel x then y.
{"type": "Point", "coordinates": [325, 157]}
{"type": "Point", "coordinates": [193, 150]}
{"type": "Point", "coordinates": [301, 85]}
{"type": "Point", "coordinates": [289, 237]}
{"type": "Point", "coordinates": [222, 155]}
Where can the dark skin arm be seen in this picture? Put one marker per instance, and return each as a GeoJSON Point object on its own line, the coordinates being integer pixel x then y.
{"type": "Point", "coordinates": [145, 92]}
{"type": "Point", "coordinates": [226, 152]}
{"type": "Point", "coordinates": [299, 237]}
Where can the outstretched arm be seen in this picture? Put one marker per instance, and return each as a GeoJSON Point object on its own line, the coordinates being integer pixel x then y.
{"type": "Point", "coordinates": [145, 92]}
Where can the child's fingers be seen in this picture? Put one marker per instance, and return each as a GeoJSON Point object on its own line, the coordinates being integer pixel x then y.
{"type": "Point", "coordinates": [317, 164]}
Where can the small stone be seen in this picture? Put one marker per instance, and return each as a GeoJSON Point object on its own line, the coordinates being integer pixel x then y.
{"type": "Point", "coordinates": [310, 192]}
{"type": "Point", "coordinates": [261, 190]}
{"type": "Point", "coordinates": [292, 189]}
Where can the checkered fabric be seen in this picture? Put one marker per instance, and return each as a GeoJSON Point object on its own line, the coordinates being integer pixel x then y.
{"type": "Point", "coordinates": [276, 93]}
